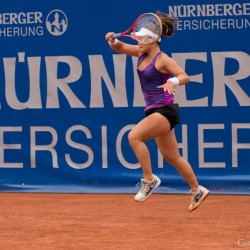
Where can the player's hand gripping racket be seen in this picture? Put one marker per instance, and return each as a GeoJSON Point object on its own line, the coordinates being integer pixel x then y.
{"type": "Point", "coordinates": [146, 29]}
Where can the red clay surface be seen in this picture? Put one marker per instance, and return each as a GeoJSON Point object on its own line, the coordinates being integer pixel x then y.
{"type": "Point", "coordinates": [111, 221]}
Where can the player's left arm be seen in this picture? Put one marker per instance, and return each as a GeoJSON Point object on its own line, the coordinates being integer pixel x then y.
{"type": "Point", "coordinates": [170, 66]}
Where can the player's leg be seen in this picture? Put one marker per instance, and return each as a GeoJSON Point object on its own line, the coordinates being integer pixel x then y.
{"type": "Point", "coordinates": [149, 128]}
{"type": "Point", "coordinates": [168, 147]}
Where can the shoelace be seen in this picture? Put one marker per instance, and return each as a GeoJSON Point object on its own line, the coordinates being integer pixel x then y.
{"type": "Point", "coordinates": [196, 196]}
{"type": "Point", "coordinates": [193, 194]}
{"type": "Point", "coordinates": [139, 184]}
{"type": "Point", "coordinates": [144, 187]}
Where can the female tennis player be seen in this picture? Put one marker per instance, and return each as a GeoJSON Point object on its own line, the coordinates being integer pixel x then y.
{"type": "Point", "coordinates": [161, 113]}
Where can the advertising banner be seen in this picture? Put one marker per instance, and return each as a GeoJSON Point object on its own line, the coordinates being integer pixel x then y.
{"type": "Point", "coordinates": [68, 102]}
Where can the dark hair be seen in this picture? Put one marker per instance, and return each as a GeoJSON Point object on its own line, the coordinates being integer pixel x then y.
{"type": "Point", "coordinates": [168, 23]}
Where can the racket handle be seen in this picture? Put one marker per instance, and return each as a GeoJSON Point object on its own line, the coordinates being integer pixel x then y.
{"type": "Point", "coordinates": [117, 35]}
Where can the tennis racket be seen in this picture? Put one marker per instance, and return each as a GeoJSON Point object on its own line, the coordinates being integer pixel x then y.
{"type": "Point", "coordinates": [147, 28]}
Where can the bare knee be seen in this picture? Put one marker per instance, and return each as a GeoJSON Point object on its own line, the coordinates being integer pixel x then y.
{"type": "Point", "coordinates": [133, 139]}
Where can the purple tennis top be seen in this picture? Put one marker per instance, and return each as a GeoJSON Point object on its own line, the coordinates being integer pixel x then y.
{"type": "Point", "coordinates": [150, 78]}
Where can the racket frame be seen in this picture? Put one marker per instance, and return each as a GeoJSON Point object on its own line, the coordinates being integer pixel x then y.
{"type": "Point", "coordinates": [130, 32]}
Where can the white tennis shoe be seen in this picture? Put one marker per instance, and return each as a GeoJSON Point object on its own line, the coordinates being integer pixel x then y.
{"type": "Point", "coordinates": [198, 197]}
{"type": "Point", "coordinates": [146, 188]}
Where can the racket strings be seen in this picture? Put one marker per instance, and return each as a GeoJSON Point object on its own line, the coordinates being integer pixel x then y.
{"type": "Point", "coordinates": [149, 22]}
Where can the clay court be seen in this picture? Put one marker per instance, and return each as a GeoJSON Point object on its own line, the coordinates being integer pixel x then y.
{"type": "Point", "coordinates": [112, 221]}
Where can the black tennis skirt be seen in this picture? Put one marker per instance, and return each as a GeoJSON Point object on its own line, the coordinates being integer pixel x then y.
{"type": "Point", "coordinates": [171, 112]}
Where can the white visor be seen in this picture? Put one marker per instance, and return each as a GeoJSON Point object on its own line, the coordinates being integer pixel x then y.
{"type": "Point", "coordinates": [146, 32]}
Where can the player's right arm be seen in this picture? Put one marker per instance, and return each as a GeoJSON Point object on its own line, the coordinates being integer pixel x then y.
{"type": "Point", "coordinates": [120, 47]}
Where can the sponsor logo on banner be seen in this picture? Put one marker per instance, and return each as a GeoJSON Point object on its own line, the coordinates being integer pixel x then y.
{"type": "Point", "coordinates": [28, 24]}
{"type": "Point", "coordinates": [212, 16]}
{"type": "Point", "coordinates": [56, 22]}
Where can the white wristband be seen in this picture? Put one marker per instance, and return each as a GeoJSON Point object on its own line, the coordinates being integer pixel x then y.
{"type": "Point", "coordinates": [174, 80]}
{"type": "Point", "coordinates": [114, 43]}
